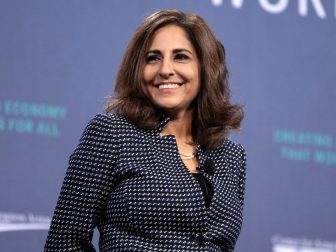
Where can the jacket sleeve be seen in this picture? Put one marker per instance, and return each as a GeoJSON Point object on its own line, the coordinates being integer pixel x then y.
{"type": "Point", "coordinates": [242, 177]}
{"type": "Point", "coordinates": [85, 189]}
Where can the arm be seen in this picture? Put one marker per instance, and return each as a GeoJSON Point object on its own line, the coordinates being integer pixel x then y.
{"type": "Point", "coordinates": [242, 177]}
{"type": "Point", "coordinates": [86, 186]}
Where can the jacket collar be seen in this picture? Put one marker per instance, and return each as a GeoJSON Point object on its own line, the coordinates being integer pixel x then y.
{"type": "Point", "coordinates": [164, 121]}
{"type": "Point", "coordinates": [202, 154]}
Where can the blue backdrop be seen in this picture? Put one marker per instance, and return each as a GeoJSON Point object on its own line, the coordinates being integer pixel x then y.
{"type": "Point", "coordinates": [58, 61]}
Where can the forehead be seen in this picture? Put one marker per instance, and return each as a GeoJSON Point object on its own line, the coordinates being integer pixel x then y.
{"type": "Point", "coordinates": [170, 37]}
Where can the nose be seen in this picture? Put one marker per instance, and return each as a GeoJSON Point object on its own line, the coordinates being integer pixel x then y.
{"type": "Point", "coordinates": [166, 69]}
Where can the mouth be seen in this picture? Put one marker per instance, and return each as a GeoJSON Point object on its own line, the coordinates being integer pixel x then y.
{"type": "Point", "coordinates": [168, 85]}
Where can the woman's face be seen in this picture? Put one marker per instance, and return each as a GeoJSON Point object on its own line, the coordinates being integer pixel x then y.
{"type": "Point", "coordinates": [172, 70]}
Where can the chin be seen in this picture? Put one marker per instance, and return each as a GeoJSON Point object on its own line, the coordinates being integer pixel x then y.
{"type": "Point", "coordinates": [167, 105]}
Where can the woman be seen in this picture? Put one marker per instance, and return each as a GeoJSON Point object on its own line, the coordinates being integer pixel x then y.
{"type": "Point", "coordinates": [157, 172]}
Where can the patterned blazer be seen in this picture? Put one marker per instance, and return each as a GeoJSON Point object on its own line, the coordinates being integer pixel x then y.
{"type": "Point", "coordinates": [132, 185]}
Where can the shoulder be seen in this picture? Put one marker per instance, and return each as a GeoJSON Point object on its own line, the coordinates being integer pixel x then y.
{"type": "Point", "coordinates": [108, 122]}
{"type": "Point", "coordinates": [233, 156]}
{"type": "Point", "coordinates": [229, 147]}
{"type": "Point", "coordinates": [110, 127]}
{"type": "Point", "coordinates": [231, 151]}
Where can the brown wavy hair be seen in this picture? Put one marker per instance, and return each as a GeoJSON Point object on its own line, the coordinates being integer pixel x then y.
{"type": "Point", "coordinates": [214, 116]}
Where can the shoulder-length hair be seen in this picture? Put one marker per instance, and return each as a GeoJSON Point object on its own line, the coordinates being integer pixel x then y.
{"type": "Point", "coordinates": [214, 116]}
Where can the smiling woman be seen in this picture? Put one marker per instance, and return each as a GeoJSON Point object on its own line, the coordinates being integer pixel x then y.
{"type": "Point", "coordinates": [157, 172]}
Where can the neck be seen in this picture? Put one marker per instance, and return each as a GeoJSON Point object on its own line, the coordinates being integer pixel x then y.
{"type": "Point", "coordinates": [180, 126]}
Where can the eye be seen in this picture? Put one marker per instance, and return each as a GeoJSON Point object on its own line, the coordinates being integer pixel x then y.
{"type": "Point", "coordinates": [152, 58]}
{"type": "Point", "coordinates": [181, 57]}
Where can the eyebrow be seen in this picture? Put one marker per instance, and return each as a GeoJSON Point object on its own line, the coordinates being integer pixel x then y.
{"type": "Point", "coordinates": [177, 50]}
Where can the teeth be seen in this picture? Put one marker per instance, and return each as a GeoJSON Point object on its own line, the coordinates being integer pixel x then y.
{"type": "Point", "coordinates": [168, 85]}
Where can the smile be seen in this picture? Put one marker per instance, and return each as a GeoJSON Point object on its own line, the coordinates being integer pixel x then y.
{"type": "Point", "coordinates": [168, 85]}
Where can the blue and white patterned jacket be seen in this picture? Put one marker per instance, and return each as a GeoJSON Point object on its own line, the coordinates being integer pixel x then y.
{"type": "Point", "coordinates": [133, 186]}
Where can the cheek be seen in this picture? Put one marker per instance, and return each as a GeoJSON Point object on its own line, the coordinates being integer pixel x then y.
{"type": "Point", "coordinates": [148, 74]}
{"type": "Point", "coordinates": [191, 73]}
{"type": "Point", "coordinates": [195, 78]}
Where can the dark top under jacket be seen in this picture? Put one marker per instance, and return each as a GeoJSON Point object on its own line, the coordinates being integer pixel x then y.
{"type": "Point", "coordinates": [206, 187]}
{"type": "Point", "coordinates": [133, 186]}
